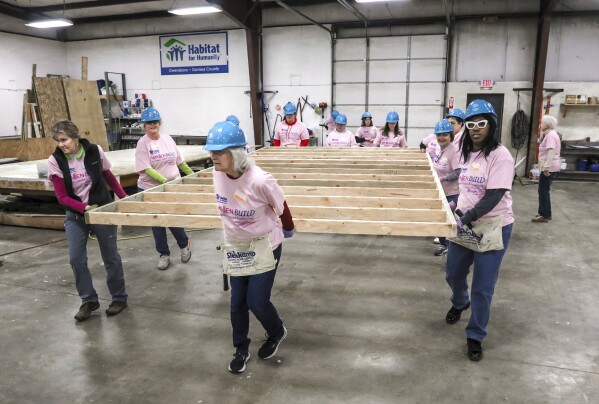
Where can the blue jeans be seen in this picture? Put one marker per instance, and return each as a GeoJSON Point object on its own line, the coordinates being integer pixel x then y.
{"type": "Point", "coordinates": [544, 196]}
{"type": "Point", "coordinates": [484, 278]}
{"type": "Point", "coordinates": [159, 234]}
{"type": "Point", "coordinates": [253, 293]}
{"type": "Point", "coordinates": [450, 198]}
{"type": "Point", "coordinates": [77, 234]}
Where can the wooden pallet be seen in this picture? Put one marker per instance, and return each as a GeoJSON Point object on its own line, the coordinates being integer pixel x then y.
{"type": "Point", "coordinates": [329, 190]}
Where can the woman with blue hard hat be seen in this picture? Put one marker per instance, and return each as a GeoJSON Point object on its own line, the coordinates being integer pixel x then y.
{"type": "Point", "coordinates": [290, 132]}
{"type": "Point", "coordinates": [157, 161]}
{"type": "Point", "coordinates": [456, 119]}
{"type": "Point", "coordinates": [391, 135]}
{"type": "Point", "coordinates": [445, 159]}
{"type": "Point", "coordinates": [233, 119]}
{"type": "Point", "coordinates": [484, 202]}
{"type": "Point", "coordinates": [255, 218]}
{"type": "Point", "coordinates": [80, 173]}
{"type": "Point", "coordinates": [550, 164]}
{"type": "Point", "coordinates": [330, 122]}
{"type": "Point", "coordinates": [368, 132]}
{"type": "Point", "coordinates": [340, 137]}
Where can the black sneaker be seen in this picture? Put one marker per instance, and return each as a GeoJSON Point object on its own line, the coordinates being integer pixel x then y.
{"type": "Point", "coordinates": [441, 250]}
{"type": "Point", "coordinates": [454, 315]}
{"type": "Point", "coordinates": [475, 349]}
{"type": "Point", "coordinates": [237, 365]}
{"type": "Point", "coordinates": [270, 346]}
{"type": "Point", "coordinates": [85, 311]}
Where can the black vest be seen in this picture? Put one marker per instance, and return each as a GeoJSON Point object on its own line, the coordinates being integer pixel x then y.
{"type": "Point", "coordinates": [99, 193]}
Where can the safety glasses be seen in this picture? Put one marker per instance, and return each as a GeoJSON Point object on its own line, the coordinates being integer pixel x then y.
{"type": "Point", "coordinates": [480, 124]}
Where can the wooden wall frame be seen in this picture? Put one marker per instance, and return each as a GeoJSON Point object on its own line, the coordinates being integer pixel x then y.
{"type": "Point", "coordinates": [369, 191]}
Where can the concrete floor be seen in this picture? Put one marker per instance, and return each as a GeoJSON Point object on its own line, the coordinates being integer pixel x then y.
{"type": "Point", "coordinates": [365, 317]}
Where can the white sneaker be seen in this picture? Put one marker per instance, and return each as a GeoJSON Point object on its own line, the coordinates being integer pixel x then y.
{"type": "Point", "coordinates": [163, 262]}
{"type": "Point", "coordinates": [186, 253]}
{"type": "Point", "coordinates": [436, 240]}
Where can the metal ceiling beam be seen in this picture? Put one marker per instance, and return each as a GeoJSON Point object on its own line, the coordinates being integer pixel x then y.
{"type": "Point", "coordinates": [83, 4]}
{"type": "Point", "coordinates": [354, 11]}
{"type": "Point", "coordinates": [293, 10]}
{"type": "Point", "coordinates": [546, 10]}
{"type": "Point", "coordinates": [123, 17]}
{"type": "Point", "coordinates": [447, 13]}
{"type": "Point", "coordinates": [21, 13]}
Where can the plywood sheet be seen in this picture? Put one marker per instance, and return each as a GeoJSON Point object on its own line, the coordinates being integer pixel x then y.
{"type": "Point", "coordinates": [51, 102]}
{"type": "Point", "coordinates": [331, 199]}
{"type": "Point", "coordinates": [85, 109]}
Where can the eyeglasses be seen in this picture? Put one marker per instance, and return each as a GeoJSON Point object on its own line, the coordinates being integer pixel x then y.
{"type": "Point", "coordinates": [480, 124]}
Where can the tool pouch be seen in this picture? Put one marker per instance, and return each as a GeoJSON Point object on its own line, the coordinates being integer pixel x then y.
{"type": "Point", "coordinates": [486, 235]}
{"type": "Point", "coordinates": [247, 257]}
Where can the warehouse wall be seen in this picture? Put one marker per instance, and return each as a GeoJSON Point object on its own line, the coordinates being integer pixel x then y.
{"type": "Point", "coordinates": [18, 54]}
{"type": "Point", "coordinates": [189, 104]}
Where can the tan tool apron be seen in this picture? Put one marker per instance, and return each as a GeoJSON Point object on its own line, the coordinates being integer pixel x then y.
{"type": "Point", "coordinates": [489, 232]}
{"type": "Point", "coordinates": [248, 257]}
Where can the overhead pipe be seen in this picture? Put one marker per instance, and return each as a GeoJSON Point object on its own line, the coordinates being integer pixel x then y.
{"type": "Point", "coordinates": [293, 10]}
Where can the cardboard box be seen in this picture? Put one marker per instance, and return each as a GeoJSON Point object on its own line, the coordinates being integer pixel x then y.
{"type": "Point", "coordinates": [576, 99]}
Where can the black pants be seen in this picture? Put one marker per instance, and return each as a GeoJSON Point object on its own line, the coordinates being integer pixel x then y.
{"type": "Point", "coordinates": [544, 194]}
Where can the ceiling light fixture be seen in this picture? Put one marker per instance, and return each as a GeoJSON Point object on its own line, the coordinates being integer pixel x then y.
{"type": "Point", "coordinates": [195, 10]}
{"type": "Point", "coordinates": [61, 22]}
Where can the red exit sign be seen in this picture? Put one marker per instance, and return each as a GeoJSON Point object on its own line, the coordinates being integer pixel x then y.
{"type": "Point", "coordinates": [486, 83]}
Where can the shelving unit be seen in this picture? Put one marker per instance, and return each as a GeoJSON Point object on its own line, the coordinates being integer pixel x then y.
{"type": "Point", "coordinates": [565, 107]}
{"type": "Point", "coordinates": [571, 154]}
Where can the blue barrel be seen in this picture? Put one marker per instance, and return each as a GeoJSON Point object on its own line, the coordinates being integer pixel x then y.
{"type": "Point", "coordinates": [582, 165]}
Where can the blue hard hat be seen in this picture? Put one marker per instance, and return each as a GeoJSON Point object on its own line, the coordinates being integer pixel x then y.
{"type": "Point", "coordinates": [233, 119]}
{"type": "Point", "coordinates": [479, 107]}
{"type": "Point", "coordinates": [443, 126]}
{"type": "Point", "coordinates": [224, 135]}
{"type": "Point", "coordinates": [150, 114]}
{"type": "Point", "coordinates": [334, 114]}
{"type": "Point", "coordinates": [457, 113]}
{"type": "Point", "coordinates": [392, 117]}
{"type": "Point", "coordinates": [341, 119]}
{"type": "Point", "coordinates": [289, 109]}
{"type": "Point", "coordinates": [366, 115]}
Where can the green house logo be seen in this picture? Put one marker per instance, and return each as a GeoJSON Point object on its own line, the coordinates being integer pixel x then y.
{"type": "Point", "coordinates": [175, 50]}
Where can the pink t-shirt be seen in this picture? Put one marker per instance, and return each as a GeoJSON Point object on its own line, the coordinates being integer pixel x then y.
{"type": "Point", "coordinates": [458, 136]}
{"type": "Point", "coordinates": [341, 139]}
{"type": "Point", "coordinates": [551, 141]}
{"type": "Point", "coordinates": [330, 123]}
{"type": "Point", "coordinates": [162, 155]}
{"type": "Point", "coordinates": [368, 133]}
{"type": "Point", "coordinates": [291, 135]}
{"type": "Point", "coordinates": [445, 161]}
{"type": "Point", "coordinates": [391, 140]}
{"type": "Point", "coordinates": [250, 205]}
{"type": "Point", "coordinates": [493, 172]}
{"type": "Point", "coordinates": [82, 182]}
{"type": "Point", "coordinates": [429, 138]}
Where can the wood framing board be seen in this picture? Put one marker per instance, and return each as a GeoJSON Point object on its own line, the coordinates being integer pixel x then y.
{"type": "Point", "coordinates": [85, 109]}
{"type": "Point", "coordinates": [51, 102]}
{"type": "Point", "coordinates": [326, 198]}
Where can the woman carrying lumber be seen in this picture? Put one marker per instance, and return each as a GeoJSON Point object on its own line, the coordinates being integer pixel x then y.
{"type": "Point", "coordinates": [391, 135]}
{"type": "Point", "coordinates": [80, 173]}
{"type": "Point", "coordinates": [291, 132]}
{"type": "Point", "coordinates": [367, 132]}
{"type": "Point", "coordinates": [158, 160]}
{"type": "Point", "coordinates": [485, 181]}
{"type": "Point", "coordinates": [250, 203]}
{"type": "Point", "coordinates": [340, 137]}
{"type": "Point", "coordinates": [445, 158]}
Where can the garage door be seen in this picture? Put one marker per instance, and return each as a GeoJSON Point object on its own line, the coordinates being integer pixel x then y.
{"type": "Point", "coordinates": [395, 73]}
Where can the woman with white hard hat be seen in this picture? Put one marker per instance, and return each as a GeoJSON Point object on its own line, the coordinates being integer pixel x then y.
{"type": "Point", "coordinates": [485, 201]}
{"type": "Point", "coordinates": [445, 158]}
{"type": "Point", "coordinates": [391, 135]}
{"type": "Point", "coordinates": [367, 133]}
{"type": "Point", "coordinates": [290, 132]}
{"type": "Point", "coordinates": [157, 161]}
{"type": "Point", "coordinates": [256, 219]}
{"type": "Point", "coordinates": [340, 137]}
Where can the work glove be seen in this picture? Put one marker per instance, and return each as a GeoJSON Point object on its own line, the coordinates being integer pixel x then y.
{"type": "Point", "coordinates": [453, 205]}
{"type": "Point", "coordinates": [288, 233]}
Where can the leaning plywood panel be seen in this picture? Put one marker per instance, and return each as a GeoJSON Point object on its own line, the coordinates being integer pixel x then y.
{"type": "Point", "coordinates": [51, 101]}
{"type": "Point", "coordinates": [85, 109]}
{"type": "Point", "coordinates": [348, 191]}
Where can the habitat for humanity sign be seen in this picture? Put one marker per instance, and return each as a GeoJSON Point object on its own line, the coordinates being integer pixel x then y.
{"type": "Point", "coordinates": [197, 53]}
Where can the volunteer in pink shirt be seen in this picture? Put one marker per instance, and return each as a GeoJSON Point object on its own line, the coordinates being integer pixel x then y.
{"type": "Point", "coordinates": [340, 137]}
{"type": "Point", "coordinates": [445, 158]}
{"type": "Point", "coordinates": [367, 132]}
{"type": "Point", "coordinates": [391, 135]}
{"type": "Point", "coordinates": [456, 119]}
{"type": "Point", "coordinates": [550, 164]}
{"type": "Point", "coordinates": [330, 122]}
{"type": "Point", "coordinates": [158, 160]}
{"type": "Point", "coordinates": [487, 172]}
{"type": "Point", "coordinates": [80, 173]}
{"type": "Point", "coordinates": [291, 132]}
{"type": "Point", "coordinates": [255, 220]}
